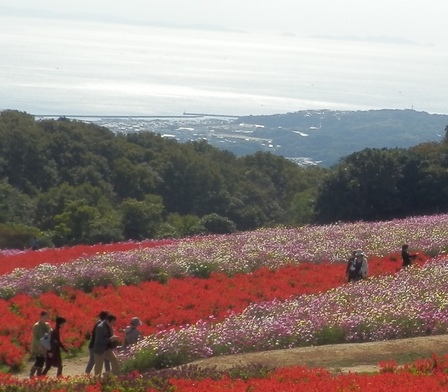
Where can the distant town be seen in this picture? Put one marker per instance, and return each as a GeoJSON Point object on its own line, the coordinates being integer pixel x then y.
{"type": "Point", "coordinates": [306, 137]}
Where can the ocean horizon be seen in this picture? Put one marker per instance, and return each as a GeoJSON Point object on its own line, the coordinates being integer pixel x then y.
{"type": "Point", "coordinates": [86, 68]}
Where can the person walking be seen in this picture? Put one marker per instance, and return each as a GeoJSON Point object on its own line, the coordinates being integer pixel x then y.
{"type": "Point", "coordinates": [406, 256]}
{"type": "Point", "coordinates": [101, 317]}
{"type": "Point", "coordinates": [105, 341]}
{"type": "Point", "coordinates": [40, 329]}
{"type": "Point", "coordinates": [131, 333]}
{"type": "Point", "coordinates": [54, 354]}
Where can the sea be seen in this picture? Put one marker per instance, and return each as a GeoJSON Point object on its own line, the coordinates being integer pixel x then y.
{"type": "Point", "coordinates": [62, 67]}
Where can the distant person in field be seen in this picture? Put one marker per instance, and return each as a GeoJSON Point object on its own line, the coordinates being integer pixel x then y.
{"type": "Point", "coordinates": [350, 271]}
{"type": "Point", "coordinates": [105, 342]}
{"type": "Point", "coordinates": [35, 245]}
{"type": "Point", "coordinates": [40, 329]}
{"type": "Point", "coordinates": [406, 256]}
{"type": "Point", "coordinates": [357, 266]}
{"type": "Point", "coordinates": [101, 317]}
{"type": "Point", "coordinates": [131, 333]}
{"type": "Point", "coordinates": [54, 355]}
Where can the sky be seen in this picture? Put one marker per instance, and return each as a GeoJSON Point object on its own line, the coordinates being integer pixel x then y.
{"type": "Point", "coordinates": [419, 21]}
{"type": "Point", "coordinates": [165, 57]}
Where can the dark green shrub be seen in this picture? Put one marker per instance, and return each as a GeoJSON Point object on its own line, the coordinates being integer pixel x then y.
{"type": "Point", "coordinates": [217, 224]}
{"type": "Point", "coordinates": [17, 236]}
{"type": "Point", "coordinates": [201, 270]}
{"type": "Point", "coordinates": [330, 335]}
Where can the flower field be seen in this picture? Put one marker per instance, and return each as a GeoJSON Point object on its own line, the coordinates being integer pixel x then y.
{"type": "Point", "coordinates": [231, 254]}
{"type": "Point", "coordinates": [246, 292]}
{"type": "Point", "coordinates": [11, 259]}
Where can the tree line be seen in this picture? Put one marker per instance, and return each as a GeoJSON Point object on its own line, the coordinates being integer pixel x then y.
{"type": "Point", "coordinates": [66, 182]}
{"type": "Point", "coordinates": [383, 184]}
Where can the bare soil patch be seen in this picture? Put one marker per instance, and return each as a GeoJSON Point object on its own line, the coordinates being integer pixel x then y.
{"type": "Point", "coordinates": [348, 357]}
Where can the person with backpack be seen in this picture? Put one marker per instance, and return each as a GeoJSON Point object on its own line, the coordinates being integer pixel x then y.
{"type": "Point", "coordinates": [357, 266]}
{"type": "Point", "coordinates": [38, 351]}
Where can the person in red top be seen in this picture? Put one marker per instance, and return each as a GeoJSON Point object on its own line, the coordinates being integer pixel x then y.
{"type": "Point", "coordinates": [54, 355]}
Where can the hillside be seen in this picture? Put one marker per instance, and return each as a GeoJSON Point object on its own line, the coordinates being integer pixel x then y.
{"type": "Point", "coordinates": [327, 136]}
{"type": "Point", "coordinates": [307, 136]}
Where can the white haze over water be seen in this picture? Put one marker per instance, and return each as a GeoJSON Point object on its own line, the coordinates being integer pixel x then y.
{"type": "Point", "coordinates": [74, 67]}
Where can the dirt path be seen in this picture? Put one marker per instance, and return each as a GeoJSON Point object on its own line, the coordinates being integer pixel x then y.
{"type": "Point", "coordinates": [354, 357]}
{"type": "Point", "coordinates": [350, 357]}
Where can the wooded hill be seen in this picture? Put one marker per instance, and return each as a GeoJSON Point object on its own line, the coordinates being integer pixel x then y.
{"type": "Point", "coordinates": [328, 135]}
{"type": "Point", "coordinates": [67, 182]}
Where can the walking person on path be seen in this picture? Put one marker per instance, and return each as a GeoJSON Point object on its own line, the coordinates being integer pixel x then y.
{"type": "Point", "coordinates": [105, 341]}
{"type": "Point", "coordinates": [54, 354]}
{"type": "Point", "coordinates": [40, 329]}
{"type": "Point", "coordinates": [101, 317]}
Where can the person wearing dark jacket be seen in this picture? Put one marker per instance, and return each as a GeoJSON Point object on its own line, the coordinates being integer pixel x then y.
{"type": "Point", "coordinates": [406, 256]}
{"type": "Point", "coordinates": [54, 354]}
{"type": "Point", "coordinates": [101, 317]}
{"type": "Point", "coordinates": [351, 270]}
{"type": "Point", "coordinates": [105, 341]}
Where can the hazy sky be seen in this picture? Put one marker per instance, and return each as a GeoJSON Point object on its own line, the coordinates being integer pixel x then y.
{"type": "Point", "coordinates": [383, 54]}
{"type": "Point", "coordinates": [420, 21]}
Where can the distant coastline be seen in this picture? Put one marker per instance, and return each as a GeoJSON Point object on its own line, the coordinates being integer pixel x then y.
{"type": "Point", "coordinates": [111, 116]}
{"type": "Point", "coordinates": [98, 116]}
{"type": "Point", "coordinates": [210, 115]}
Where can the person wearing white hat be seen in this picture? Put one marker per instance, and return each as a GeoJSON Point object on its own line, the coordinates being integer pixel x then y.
{"type": "Point", "coordinates": [357, 266]}
{"type": "Point", "coordinates": [131, 333]}
{"type": "Point", "coordinates": [361, 258]}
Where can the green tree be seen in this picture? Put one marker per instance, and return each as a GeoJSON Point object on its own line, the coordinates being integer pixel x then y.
{"type": "Point", "coordinates": [302, 208]}
{"type": "Point", "coordinates": [363, 186]}
{"type": "Point", "coordinates": [22, 162]}
{"type": "Point", "coordinates": [16, 236]}
{"type": "Point", "coordinates": [54, 201]}
{"type": "Point", "coordinates": [76, 223]}
{"type": "Point", "coordinates": [217, 224]}
{"type": "Point", "coordinates": [191, 184]}
{"type": "Point", "coordinates": [141, 219]}
{"type": "Point", "coordinates": [133, 181]}
{"type": "Point", "coordinates": [15, 206]}
{"type": "Point", "coordinates": [429, 183]}
{"type": "Point", "coordinates": [184, 225]}
{"type": "Point", "coordinates": [285, 191]}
